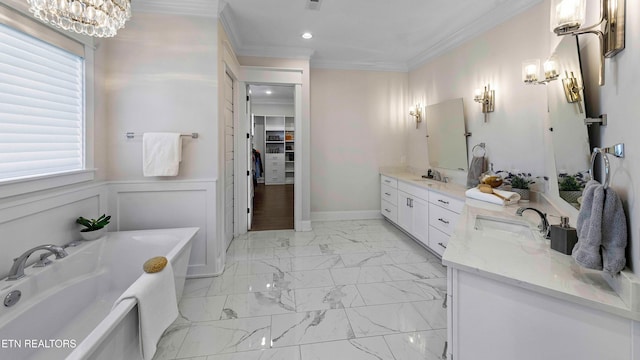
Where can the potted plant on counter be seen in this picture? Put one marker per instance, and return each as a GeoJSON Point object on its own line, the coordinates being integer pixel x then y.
{"type": "Point", "coordinates": [520, 183]}
{"type": "Point", "coordinates": [94, 228]}
{"type": "Point", "coordinates": [571, 187]}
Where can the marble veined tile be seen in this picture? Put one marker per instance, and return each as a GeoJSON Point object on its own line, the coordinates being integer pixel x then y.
{"type": "Point", "coordinates": [316, 262]}
{"type": "Point", "coordinates": [171, 340]}
{"type": "Point", "coordinates": [390, 292]}
{"type": "Point", "coordinates": [360, 275]}
{"type": "Point", "coordinates": [386, 319]}
{"type": "Point", "coordinates": [348, 248]}
{"type": "Point", "coordinates": [366, 259]}
{"type": "Point", "coordinates": [196, 287]}
{"type": "Point", "coordinates": [345, 239]}
{"type": "Point", "coordinates": [294, 251]}
{"type": "Point", "coordinates": [308, 279]}
{"type": "Point", "coordinates": [433, 288]}
{"type": "Point", "coordinates": [250, 267]}
{"type": "Point", "coordinates": [310, 327]}
{"type": "Point", "coordinates": [333, 297]}
{"type": "Point", "coordinates": [417, 271]}
{"type": "Point", "coordinates": [372, 348]}
{"type": "Point", "coordinates": [259, 304]}
{"type": "Point", "coordinates": [202, 308]}
{"type": "Point", "coordinates": [389, 246]}
{"type": "Point", "coordinates": [242, 284]}
{"type": "Point", "coordinates": [268, 243]}
{"type": "Point", "coordinates": [226, 336]}
{"type": "Point", "coordinates": [433, 312]}
{"type": "Point", "coordinates": [285, 353]}
{"type": "Point", "coordinates": [421, 345]}
{"type": "Point", "coordinates": [411, 257]}
{"type": "Point", "coordinates": [250, 253]}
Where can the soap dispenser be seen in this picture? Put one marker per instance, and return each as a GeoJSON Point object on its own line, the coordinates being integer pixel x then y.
{"type": "Point", "coordinates": [563, 236]}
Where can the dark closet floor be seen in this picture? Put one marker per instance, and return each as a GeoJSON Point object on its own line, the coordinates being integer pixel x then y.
{"type": "Point", "coordinates": [272, 207]}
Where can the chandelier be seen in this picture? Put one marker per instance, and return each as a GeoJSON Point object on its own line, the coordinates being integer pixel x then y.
{"type": "Point", "coordinates": [99, 18]}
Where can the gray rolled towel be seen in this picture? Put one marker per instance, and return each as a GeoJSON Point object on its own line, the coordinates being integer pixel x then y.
{"type": "Point", "coordinates": [614, 233]}
{"type": "Point", "coordinates": [476, 168]}
{"type": "Point", "coordinates": [586, 252]}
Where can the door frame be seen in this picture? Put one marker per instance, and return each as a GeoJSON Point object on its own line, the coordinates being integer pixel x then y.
{"type": "Point", "coordinates": [253, 75]}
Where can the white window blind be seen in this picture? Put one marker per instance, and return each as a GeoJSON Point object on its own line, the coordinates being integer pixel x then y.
{"type": "Point", "coordinates": [41, 107]}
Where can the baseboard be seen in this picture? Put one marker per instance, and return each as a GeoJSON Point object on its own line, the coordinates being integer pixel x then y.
{"type": "Point", "coordinates": [345, 215]}
{"type": "Point", "coordinates": [305, 226]}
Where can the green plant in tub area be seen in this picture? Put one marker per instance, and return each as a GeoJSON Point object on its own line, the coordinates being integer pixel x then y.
{"type": "Point", "coordinates": [93, 224]}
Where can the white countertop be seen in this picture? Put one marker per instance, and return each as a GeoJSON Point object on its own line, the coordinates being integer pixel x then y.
{"type": "Point", "coordinates": [529, 264]}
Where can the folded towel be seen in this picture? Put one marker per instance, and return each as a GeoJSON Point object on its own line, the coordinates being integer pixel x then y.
{"type": "Point", "coordinates": [614, 233]}
{"type": "Point", "coordinates": [161, 154]}
{"type": "Point", "coordinates": [475, 193]}
{"type": "Point", "coordinates": [476, 168]}
{"type": "Point", "coordinates": [586, 252]}
{"type": "Point", "coordinates": [157, 307]}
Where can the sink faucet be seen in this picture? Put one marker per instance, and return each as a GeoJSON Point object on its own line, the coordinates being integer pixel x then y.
{"type": "Point", "coordinates": [544, 222]}
{"type": "Point", "coordinates": [17, 270]}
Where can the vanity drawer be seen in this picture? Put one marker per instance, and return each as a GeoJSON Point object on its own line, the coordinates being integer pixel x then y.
{"type": "Point", "coordinates": [389, 181]}
{"type": "Point", "coordinates": [389, 194]}
{"type": "Point", "coordinates": [414, 191]}
{"type": "Point", "coordinates": [442, 219]}
{"type": "Point", "coordinates": [445, 201]}
{"type": "Point", "coordinates": [389, 211]}
{"type": "Point", "coordinates": [438, 240]}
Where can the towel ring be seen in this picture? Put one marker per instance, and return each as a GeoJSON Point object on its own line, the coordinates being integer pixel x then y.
{"type": "Point", "coordinates": [480, 146]}
{"type": "Point", "coordinates": [605, 159]}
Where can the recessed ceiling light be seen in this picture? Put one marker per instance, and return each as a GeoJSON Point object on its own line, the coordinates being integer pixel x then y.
{"type": "Point", "coordinates": [268, 92]}
{"type": "Point", "coordinates": [307, 36]}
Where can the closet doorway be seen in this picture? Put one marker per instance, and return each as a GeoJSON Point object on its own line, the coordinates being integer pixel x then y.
{"type": "Point", "coordinates": [272, 156]}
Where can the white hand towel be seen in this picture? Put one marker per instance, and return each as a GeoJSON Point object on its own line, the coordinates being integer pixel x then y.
{"type": "Point", "coordinates": [161, 154]}
{"type": "Point", "coordinates": [475, 193]}
{"type": "Point", "coordinates": [157, 307]}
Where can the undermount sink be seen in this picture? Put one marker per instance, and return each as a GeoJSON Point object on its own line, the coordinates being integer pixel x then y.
{"type": "Point", "coordinates": [503, 228]}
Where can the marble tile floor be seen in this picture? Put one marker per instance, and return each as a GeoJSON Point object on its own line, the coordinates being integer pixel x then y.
{"type": "Point", "coordinates": [351, 290]}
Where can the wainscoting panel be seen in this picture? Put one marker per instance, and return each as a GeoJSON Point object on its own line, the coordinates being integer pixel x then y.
{"type": "Point", "coordinates": [47, 218]}
{"type": "Point", "coordinates": [141, 205]}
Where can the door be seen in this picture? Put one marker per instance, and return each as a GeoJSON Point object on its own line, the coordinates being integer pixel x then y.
{"type": "Point", "coordinates": [228, 158]}
{"type": "Point", "coordinates": [420, 220]}
{"type": "Point", "coordinates": [251, 162]}
{"type": "Point", "coordinates": [405, 213]}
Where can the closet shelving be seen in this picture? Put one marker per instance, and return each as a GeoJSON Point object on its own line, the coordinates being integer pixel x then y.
{"type": "Point", "coordinates": [279, 147]}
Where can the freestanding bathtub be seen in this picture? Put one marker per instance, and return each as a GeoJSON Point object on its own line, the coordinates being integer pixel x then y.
{"type": "Point", "coordinates": [65, 311]}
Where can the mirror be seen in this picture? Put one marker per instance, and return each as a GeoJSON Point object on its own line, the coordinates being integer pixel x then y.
{"type": "Point", "coordinates": [567, 115]}
{"type": "Point", "coordinates": [447, 143]}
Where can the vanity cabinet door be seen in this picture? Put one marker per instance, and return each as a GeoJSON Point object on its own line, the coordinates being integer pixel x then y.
{"type": "Point", "coordinates": [420, 220]}
{"type": "Point", "coordinates": [405, 213]}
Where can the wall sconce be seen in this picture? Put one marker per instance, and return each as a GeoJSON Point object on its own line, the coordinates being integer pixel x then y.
{"type": "Point", "coordinates": [530, 71]}
{"type": "Point", "coordinates": [572, 90]}
{"type": "Point", "coordinates": [417, 114]}
{"type": "Point", "coordinates": [487, 99]}
{"type": "Point", "coordinates": [567, 17]}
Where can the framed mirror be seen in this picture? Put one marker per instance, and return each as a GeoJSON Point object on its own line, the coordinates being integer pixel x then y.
{"type": "Point", "coordinates": [567, 115]}
{"type": "Point", "coordinates": [446, 140]}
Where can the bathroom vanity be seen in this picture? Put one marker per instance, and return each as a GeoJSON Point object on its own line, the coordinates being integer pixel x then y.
{"type": "Point", "coordinates": [509, 296]}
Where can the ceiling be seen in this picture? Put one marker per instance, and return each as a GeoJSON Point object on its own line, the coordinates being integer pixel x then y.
{"type": "Point", "coordinates": [396, 35]}
{"type": "Point", "coordinates": [279, 94]}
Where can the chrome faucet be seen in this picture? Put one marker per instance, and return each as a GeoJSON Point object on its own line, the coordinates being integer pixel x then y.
{"type": "Point", "coordinates": [17, 270]}
{"type": "Point", "coordinates": [545, 230]}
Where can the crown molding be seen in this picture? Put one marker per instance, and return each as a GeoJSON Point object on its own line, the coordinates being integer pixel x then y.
{"type": "Point", "coordinates": [350, 65]}
{"type": "Point", "coordinates": [480, 26]}
{"type": "Point", "coordinates": [200, 8]}
{"type": "Point", "coordinates": [229, 24]}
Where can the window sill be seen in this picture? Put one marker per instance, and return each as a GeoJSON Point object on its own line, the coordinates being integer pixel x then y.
{"type": "Point", "coordinates": [44, 182]}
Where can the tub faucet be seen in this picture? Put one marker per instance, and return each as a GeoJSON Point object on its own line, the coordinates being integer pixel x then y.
{"type": "Point", "coordinates": [544, 222]}
{"type": "Point", "coordinates": [17, 270]}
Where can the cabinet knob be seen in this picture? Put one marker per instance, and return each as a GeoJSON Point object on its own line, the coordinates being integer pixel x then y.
{"type": "Point", "coordinates": [444, 202]}
{"type": "Point", "coordinates": [444, 351]}
{"type": "Point", "coordinates": [387, 210]}
{"type": "Point", "coordinates": [443, 245]}
{"type": "Point", "coordinates": [443, 221]}
{"type": "Point", "coordinates": [387, 194]}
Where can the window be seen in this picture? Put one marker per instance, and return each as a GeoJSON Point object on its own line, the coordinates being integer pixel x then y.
{"type": "Point", "coordinates": [41, 108]}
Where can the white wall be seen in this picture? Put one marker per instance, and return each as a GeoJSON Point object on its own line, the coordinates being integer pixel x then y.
{"type": "Point", "coordinates": [514, 132]}
{"type": "Point", "coordinates": [273, 109]}
{"type": "Point", "coordinates": [359, 123]}
{"type": "Point", "coordinates": [618, 98]}
{"type": "Point", "coordinates": [162, 76]}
